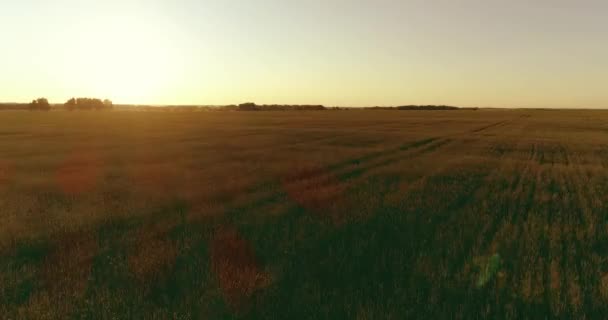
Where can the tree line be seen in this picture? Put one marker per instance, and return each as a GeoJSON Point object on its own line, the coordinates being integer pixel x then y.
{"type": "Point", "coordinates": [42, 104]}
{"type": "Point", "coordinates": [250, 106]}
{"type": "Point", "coordinates": [88, 104]}
{"type": "Point", "coordinates": [416, 107]}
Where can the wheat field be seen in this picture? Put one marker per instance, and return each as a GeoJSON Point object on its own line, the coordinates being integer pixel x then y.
{"type": "Point", "coordinates": [370, 214]}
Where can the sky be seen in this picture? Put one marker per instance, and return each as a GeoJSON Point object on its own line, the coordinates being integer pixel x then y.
{"type": "Point", "coordinates": [475, 53]}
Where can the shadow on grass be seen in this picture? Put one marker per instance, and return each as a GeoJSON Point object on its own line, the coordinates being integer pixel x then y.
{"type": "Point", "coordinates": [368, 267]}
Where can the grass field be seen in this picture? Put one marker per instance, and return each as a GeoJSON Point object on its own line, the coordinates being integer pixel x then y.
{"type": "Point", "coordinates": [304, 215]}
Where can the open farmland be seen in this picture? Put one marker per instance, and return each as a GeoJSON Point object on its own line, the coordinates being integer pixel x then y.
{"type": "Point", "coordinates": [304, 215]}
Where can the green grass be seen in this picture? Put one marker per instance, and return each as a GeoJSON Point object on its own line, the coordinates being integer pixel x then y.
{"type": "Point", "coordinates": [303, 215]}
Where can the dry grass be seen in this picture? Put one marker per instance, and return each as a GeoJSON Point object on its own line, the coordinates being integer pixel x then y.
{"type": "Point", "coordinates": [358, 214]}
{"type": "Point", "coordinates": [152, 257]}
{"type": "Point", "coordinates": [64, 278]}
{"type": "Point", "coordinates": [234, 264]}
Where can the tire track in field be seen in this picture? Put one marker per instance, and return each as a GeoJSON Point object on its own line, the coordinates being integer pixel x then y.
{"type": "Point", "coordinates": [429, 217]}
{"type": "Point", "coordinates": [499, 124]}
{"type": "Point", "coordinates": [563, 280]}
{"type": "Point", "coordinates": [485, 230]}
{"type": "Point", "coordinates": [593, 180]}
{"type": "Point", "coordinates": [378, 154]}
{"type": "Point", "coordinates": [490, 126]}
{"type": "Point", "coordinates": [594, 240]}
{"type": "Point", "coordinates": [350, 169]}
{"type": "Point", "coordinates": [350, 173]}
{"type": "Point", "coordinates": [347, 170]}
{"type": "Point", "coordinates": [569, 273]}
{"type": "Point", "coordinates": [265, 193]}
{"type": "Point", "coordinates": [561, 287]}
{"type": "Point", "coordinates": [492, 232]}
{"type": "Point", "coordinates": [554, 268]}
{"type": "Point", "coordinates": [429, 256]}
{"type": "Point", "coordinates": [586, 275]}
{"type": "Point", "coordinates": [513, 183]}
{"type": "Point", "coordinates": [512, 245]}
{"type": "Point", "coordinates": [353, 168]}
{"type": "Point", "coordinates": [481, 223]}
{"type": "Point", "coordinates": [455, 217]}
{"type": "Point", "coordinates": [548, 216]}
{"type": "Point", "coordinates": [502, 210]}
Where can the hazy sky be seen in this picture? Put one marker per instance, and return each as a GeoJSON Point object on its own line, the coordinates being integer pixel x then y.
{"type": "Point", "coordinates": [543, 53]}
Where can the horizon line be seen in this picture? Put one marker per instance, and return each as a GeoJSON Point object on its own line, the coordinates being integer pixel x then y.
{"type": "Point", "coordinates": [327, 106]}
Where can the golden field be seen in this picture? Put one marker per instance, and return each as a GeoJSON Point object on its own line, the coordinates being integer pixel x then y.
{"type": "Point", "coordinates": [358, 214]}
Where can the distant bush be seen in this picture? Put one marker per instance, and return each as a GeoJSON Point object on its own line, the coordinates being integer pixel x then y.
{"type": "Point", "coordinates": [88, 104]}
{"type": "Point", "coordinates": [415, 107]}
{"type": "Point", "coordinates": [40, 104]}
{"type": "Point", "coordinates": [250, 106]}
{"type": "Point", "coordinates": [13, 106]}
{"type": "Point", "coordinates": [428, 107]}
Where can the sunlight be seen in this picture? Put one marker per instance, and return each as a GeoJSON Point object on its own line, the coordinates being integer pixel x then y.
{"type": "Point", "coordinates": [127, 61]}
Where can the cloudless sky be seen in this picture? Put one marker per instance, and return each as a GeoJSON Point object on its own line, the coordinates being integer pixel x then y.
{"type": "Point", "coordinates": [543, 53]}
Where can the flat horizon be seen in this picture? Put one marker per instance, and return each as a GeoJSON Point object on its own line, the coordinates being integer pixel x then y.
{"type": "Point", "coordinates": [329, 106]}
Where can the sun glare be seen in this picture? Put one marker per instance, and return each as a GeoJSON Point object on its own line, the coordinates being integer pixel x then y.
{"type": "Point", "coordinates": [128, 62]}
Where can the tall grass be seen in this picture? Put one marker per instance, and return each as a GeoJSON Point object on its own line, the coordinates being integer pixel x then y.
{"type": "Point", "coordinates": [360, 214]}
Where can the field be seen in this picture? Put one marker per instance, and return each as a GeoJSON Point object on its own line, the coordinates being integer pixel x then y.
{"type": "Point", "coordinates": [304, 215]}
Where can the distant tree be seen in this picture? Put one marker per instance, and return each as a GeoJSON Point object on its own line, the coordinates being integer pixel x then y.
{"type": "Point", "coordinates": [107, 103]}
{"type": "Point", "coordinates": [88, 104]}
{"type": "Point", "coordinates": [40, 104]}
{"type": "Point", "coordinates": [428, 107]}
{"type": "Point", "coordinates": [70, 104]}
{"type": "Point", "coordinates": [248, 106]}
